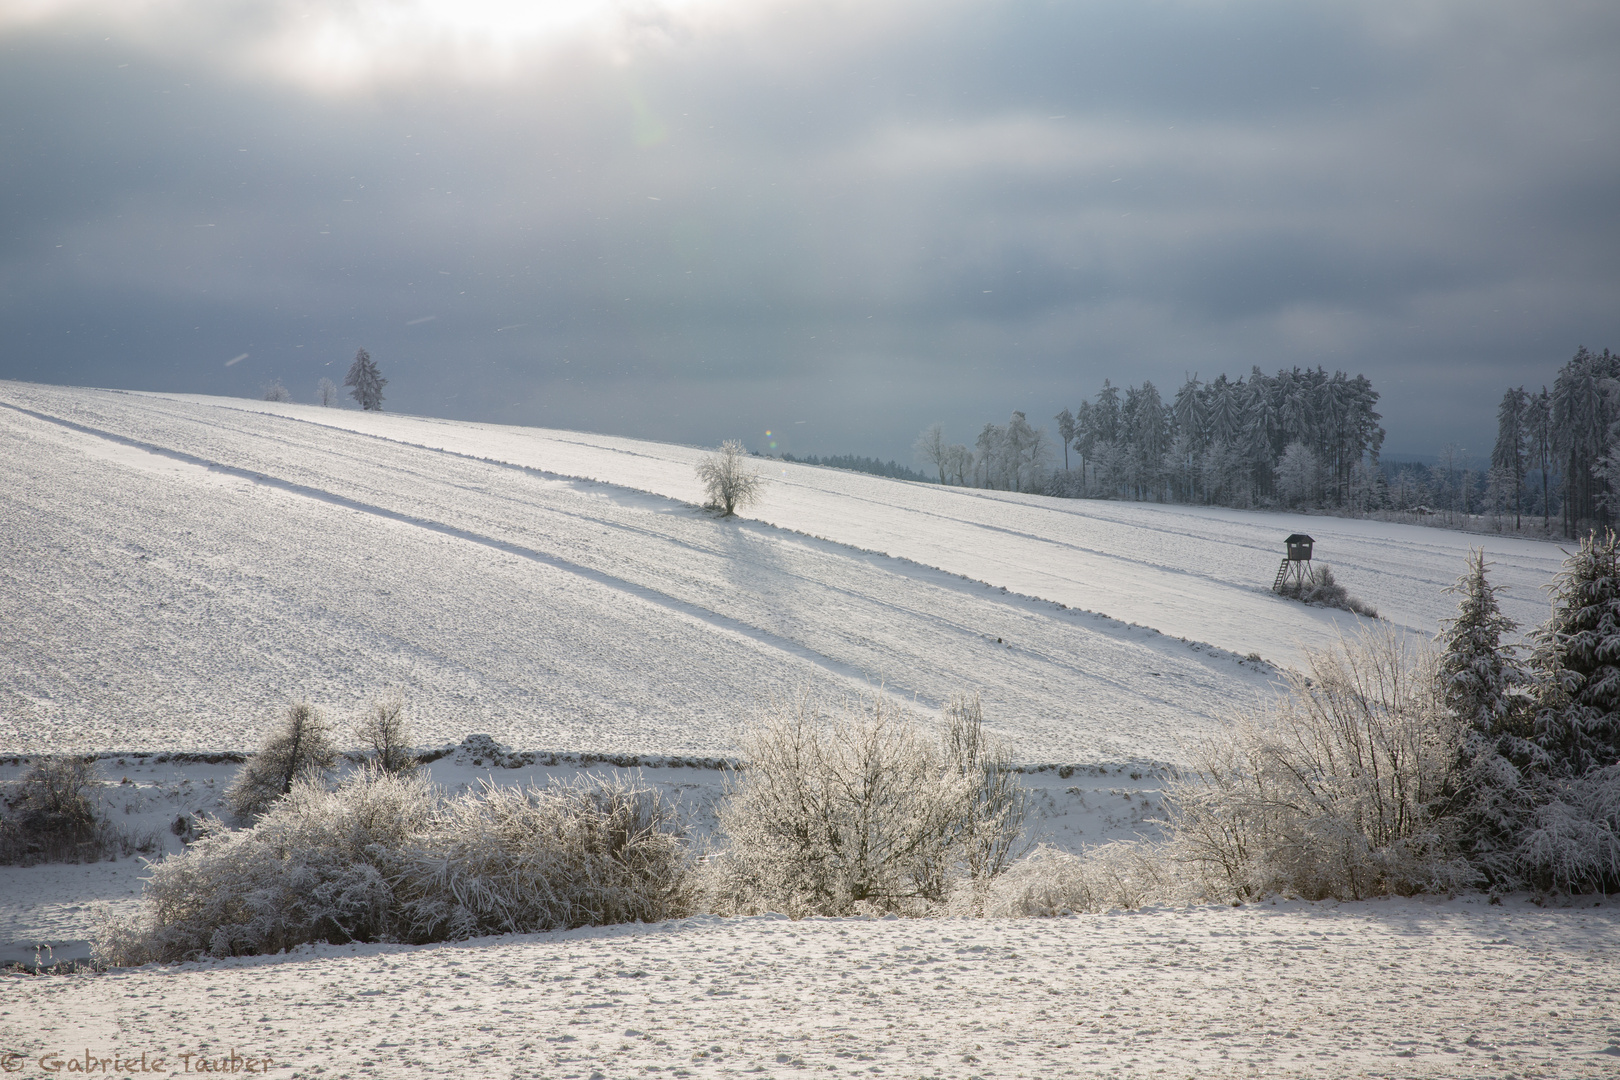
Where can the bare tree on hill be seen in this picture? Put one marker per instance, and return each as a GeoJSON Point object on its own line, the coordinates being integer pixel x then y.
{"type": "Point", "coordinates": [728, 480]}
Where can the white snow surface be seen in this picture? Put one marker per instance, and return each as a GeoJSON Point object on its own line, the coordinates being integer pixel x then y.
{"type": "Point", "coordinates": [1202, 573]}
{"type": "Point", "coordinates": [175, 570]}
{"type": "Point", "coordinates": [1388, 989]}
{"type": "Point", "coordinates": [178, 568]}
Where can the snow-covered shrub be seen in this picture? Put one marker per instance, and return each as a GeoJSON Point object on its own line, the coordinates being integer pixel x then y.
{"type": "Point", "coordinates": [990, 817]}
{"type": "Point", "coordinates": [1339, 790]}
{"type": "Point", "coordinates": [1570, 841]}
{"type": "Point", "coordinates": [1123, 874]}
{"type": "Point", "coordinates": [318, 866]}
{"type": "Point", "coordinates": [385, 730]}
{"type": "Point", "coordinates": [274, 391]}
{"type": "Point", "coordinates": [300, 747]}
{"type": "Point", "coordinates": [1065, 484]}
{"type": "Point", "coordinates": [1322, 590]}
{"type": "Point", "coordinates": [504, 860]}
{"type": "Point", "coordinates": [385, 857]}
{"type": "Point", "coordinates": [858, 812]}
{"type": "Point", "coordinates": [50, 815]}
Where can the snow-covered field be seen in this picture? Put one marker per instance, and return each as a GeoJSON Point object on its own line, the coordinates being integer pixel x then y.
{"type": "Point", "coordinates": [175, 569]}
{"type": "Point", "coordinates": [1390, 989]}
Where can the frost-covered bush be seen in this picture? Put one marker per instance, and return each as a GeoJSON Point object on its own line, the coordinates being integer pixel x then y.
{"type": "Point", "coordinates": [318, 866]}
{"type": "Point", "coordinates": [1323, 590]}
{"type": "Point", "coordinates": [50, 815]}
{"type": "Point", "coordinates": [990, 817]}
{"type": "Point", "coordinates": [1339, 790]}
{"type": "Point", "coordinates": [505, 860]}
{"type": "Point", "coordinates": [859, 812]}
{"type": "Point", "coordinates": [385, 857]}
{"type": "Point", "coordinates": [1570, 839]}
{"type": "Point", "coordinates": [300, 747]}
{"type": "Point", "coordinates": [1123, 874]}
{"type": "Point", "coordinates": [1390, 768]}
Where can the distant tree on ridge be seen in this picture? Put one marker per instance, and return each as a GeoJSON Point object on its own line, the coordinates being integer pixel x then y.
{"type": "Point", "coordinates": [367, 382]}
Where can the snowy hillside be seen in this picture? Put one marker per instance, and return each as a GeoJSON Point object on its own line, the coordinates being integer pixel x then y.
{"type": "Point", "coordinates": [176, 569]}
{"type": "Point", "coordinates": [1201, 573]}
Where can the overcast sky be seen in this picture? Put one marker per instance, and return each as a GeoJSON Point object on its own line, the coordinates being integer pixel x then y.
{"type": "Point", "coordinates": [833, 221]}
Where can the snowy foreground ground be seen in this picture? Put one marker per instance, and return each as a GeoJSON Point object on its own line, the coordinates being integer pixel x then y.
{"type": "Point", "coordinates": [1396, 989]}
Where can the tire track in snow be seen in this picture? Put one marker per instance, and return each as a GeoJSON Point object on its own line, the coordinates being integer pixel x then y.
{"type": "Point", "coordinates": [696, 612]}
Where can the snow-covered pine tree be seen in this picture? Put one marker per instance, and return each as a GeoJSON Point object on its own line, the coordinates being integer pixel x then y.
{"type": "Point", "coordinates": [1085, 439]}
{"type": "Point", "coordinates": [1581, 418]}
{"type": "Point", "coordinates": [1510, 457]}
{"type": "Point", "coordinates": [1577, 661]}
{"type": "Point", "coordinates": [1483, 685]}
{"type": "Point", "coordinates": [367, 382]}
{"type": "Point", "coordinates": [1538, 427]}
{"type": "Point", "coordinates": [1151, 430]}
{"type": "Point", "coordinates": [1481, 678]}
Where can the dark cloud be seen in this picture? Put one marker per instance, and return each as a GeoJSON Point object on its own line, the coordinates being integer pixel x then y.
{"type": "Point", "coordinates": [864, 218]}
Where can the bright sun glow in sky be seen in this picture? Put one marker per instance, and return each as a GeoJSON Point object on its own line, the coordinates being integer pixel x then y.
{"type": "Point", "coordinates": [337, 45]}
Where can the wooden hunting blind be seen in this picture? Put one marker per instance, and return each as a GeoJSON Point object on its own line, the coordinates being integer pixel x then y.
{"type": "Point", "coordinates": [1296, 564]}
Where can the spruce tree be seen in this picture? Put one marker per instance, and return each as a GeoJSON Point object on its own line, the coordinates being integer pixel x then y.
{"type": "Point", "coordinates": [367, 382]}
{"type": "Point", "coordinates": [1478, 673]}
{"type": "Point", "coordinates": [1510, 456]}
{"type": "Point", "coordinates": [1577, 661]}
{"type": "Point", "coordinates": [1484, 687]}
